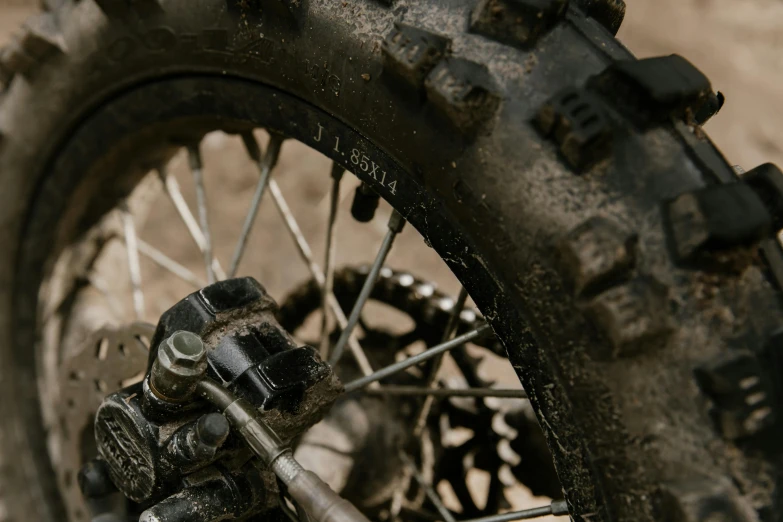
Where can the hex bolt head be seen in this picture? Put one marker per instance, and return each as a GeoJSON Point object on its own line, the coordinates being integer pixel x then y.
{"type": "Point", "coordinates": [180, 364]}
{"type": "Point", "coordinates": [185, 352]}
{"type": "Point", "coordinates": [94, 479]}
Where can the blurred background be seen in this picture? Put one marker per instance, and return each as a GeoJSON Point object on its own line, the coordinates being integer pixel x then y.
{"type": "Point", "coordinates": [738, 45]}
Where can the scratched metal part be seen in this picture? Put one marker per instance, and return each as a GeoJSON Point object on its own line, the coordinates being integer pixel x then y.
{"type": "Point", "coordinates": [111, 359]}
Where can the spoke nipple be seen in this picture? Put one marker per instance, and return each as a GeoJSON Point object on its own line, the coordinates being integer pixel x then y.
{"type": "Point", "coordinates": [559, 507]}
{"type": "Point", "coordinates": [396, 222]}
{"type": "Point", "coordinates": [194, 157]}
{"type": "Point", "coordinates": [365, 203]}
{"type": "Point", "coordinates": [251, 145]}
{"type": "Point", "coordinates": [337, 171]}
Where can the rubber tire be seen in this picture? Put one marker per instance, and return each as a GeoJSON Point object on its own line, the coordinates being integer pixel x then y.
{"type": "Point", "coordinates": [631, 434]}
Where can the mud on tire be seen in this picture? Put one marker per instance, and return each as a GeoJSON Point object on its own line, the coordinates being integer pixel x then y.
{"type": "Point", "coordinates": [631, 275]}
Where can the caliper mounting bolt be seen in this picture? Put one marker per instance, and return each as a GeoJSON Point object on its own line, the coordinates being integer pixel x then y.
{"type": "Point", "coordinates": [180, 364]}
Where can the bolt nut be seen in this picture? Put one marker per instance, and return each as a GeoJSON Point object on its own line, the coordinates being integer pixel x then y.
{"type": "Point", "coordinates": [183, 352]}
{"type": "Point", "coordinates": [180, 364]}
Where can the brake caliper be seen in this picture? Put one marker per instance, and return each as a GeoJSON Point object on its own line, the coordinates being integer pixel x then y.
{"type": "Point", "coordinates": [163, 445]}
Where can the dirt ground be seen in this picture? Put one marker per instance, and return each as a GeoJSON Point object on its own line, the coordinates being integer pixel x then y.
{"type": "Point", "coordinates": [739, 45]}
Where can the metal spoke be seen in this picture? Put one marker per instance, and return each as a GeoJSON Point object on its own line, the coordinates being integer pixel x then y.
{"type": "Point", "coordinates": [200, 232]}
{"type": "Point", "coordinates": [301, 513]}
{"type": "Point", "coordinates": [432, 378]}
{"type": "Point", "coordinates": [134, 265]}
{"type": "Point", "coordinates": [197, 169]}
{"type": "Point", "coordinates": [418, 391]}
{"type": "Point", "coordinates": [431, 383]}
{"type": "Point", "coordinates": [328, 288]}
{"type": "Point", "coordinates": [557, 507]}
{"type": "Point", "coordinates": [419, 514]}
{"type": "Point", "coordinates": [296, 232]}
{"type": "Point", "coordinates": [100, 285]}
{"type": "Point", "coordinates": [431, 386]}
{"type": "Point", "coordinates": [428, 489]}
{"type": "Point", "coordinates": [315, 271]}
{"type": "Point", "coordinates": [174, 193]}
{"type": "Point", "coordinates": [164, 261]}
{"type": "Point", "coordinates": [396, 222]}
{"type": "Point", "coordinates": [417, 359]}
{"type": "Point", "coordinates": [288, 511]}
{"type": "Point", "coordinates": [265, 166]}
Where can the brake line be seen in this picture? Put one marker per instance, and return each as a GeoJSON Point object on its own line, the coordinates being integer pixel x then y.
{"type": "Point", "coordinates": [309, 491]}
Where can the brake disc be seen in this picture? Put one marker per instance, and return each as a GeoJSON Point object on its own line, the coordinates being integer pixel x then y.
{"type": "Point", "coordinates": [111, 358]}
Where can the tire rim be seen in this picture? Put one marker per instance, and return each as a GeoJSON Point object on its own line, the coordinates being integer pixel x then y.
{"type": "Point", "coordinates": [197, 225]}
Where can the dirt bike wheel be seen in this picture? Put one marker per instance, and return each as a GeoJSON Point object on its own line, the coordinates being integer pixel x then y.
{"type": "Point", "coordinates": [566, 184]}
